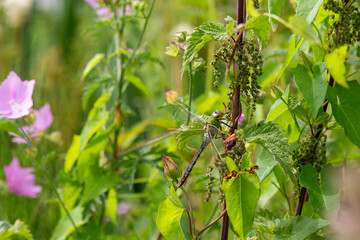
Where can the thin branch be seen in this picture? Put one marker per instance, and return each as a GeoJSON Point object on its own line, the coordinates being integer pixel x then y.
{"type": "Point", "coordinates": [292, 5]}
{"type": "Point", "coordinates": [210, 224]}
{"type": "Point", "coordinates": [192, 222]}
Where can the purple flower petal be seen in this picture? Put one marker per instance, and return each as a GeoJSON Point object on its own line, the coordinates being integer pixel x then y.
{"type": "Point", "coordinates": [241, 119]}
{"type": "Point", "coordinates": [21, 181]}
{"type": "Point", "coordinates": [122, 208]}
{"type": "Point", "coordinates": [104, 13]}
{"type": "Point", "coordinates": [16, 96]}
{"type": "Point", "coordinates": [44, 118]}
{"type": "Point", "coordinates": [93, 3]}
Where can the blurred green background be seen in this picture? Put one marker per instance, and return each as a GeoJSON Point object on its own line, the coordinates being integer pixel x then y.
{"type": "Point", "coordinates": [52, 40]}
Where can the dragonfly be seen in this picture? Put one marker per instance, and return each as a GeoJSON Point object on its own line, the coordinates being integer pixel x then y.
{"type": "Point", "coordinates": [211, 128]}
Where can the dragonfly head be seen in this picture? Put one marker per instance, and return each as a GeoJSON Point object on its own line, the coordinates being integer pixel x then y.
{"type": "Point", "coordinates": [217, 114]}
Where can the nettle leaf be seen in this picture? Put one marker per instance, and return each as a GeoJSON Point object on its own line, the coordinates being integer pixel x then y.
{"type": "Point", "coordinates": [312, 86]}
{"type": "Point", "coordinates": [168, 217]}
{"type": "Point", "coordinates": [18, 229]}
{"type": "Point", "coordinates": [275, 7]}
{"type": "Point", "coordinates": [201, 36]}
{"type": "Point", "coordinates": [298, 228]}
{"type": "Point", "coordinates": [345, 105]}
{"type": "Point", "coordinates": [266, 163]}
{"type": "Point", "coordinates": [272, 138]}
{"type": "Point", "coordinates": [308, 9]}
{"type": "Point", "coordinates": [261, 27]}
{"type": "Point", "coordinates": [324, 198]}
{"type": "Point", "coordinates": [336, 64]}
{"type": "Point", "coordinates": [242, 194]}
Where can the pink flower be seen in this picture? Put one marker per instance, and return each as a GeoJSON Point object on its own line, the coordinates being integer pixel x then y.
{"type": "Point", "coordinates": [241, 119]}
{"type": "Point", "coordinates": [21, 181]}
{"type": "Point", "coordinates": [16, 96]}
{"type": "Point", "coordinates": [44, 118]}
{"type": "Point", "coordinates": [122, 208]}
{"type": "Point", "coordinates": [104, 13]}
{"type": "Point", "coordinates": [93, 3]}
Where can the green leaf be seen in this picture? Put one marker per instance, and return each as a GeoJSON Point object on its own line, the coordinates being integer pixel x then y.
{"type": "Point", "coordinates": [272, 139]}
{"type": "Point", "coordinates": [8, 126]}
{"type": "Point", "coordinates": [89, 157]}
{"type": "Point", "coordinates": [298, 228]}
{"type": "Point", "coordinates": [168, 217]}
{"type": "Point", "coordinates": [294, 45]}
{"type": "Point", "coordinates": [98, 183]}
{"type": "Point", "coordinates": [92, 86]}
{"type": "Point", "coordinates": [308, 9]}
{"type": "Point", "coordinates": [72, 154]}
{"type": "Point", "coordinates": [335, 64]}
{"type": "Point", "coordinates": [70, 193]}
{"type": "Point", "coordinates": [261, 26]}
{"type": "Point", "coordinates": [231, 164]}
{"type": "Point", "coordinates": [323, 197]}
{"type": "Point", "coordinates": [242, 194]}
{"type": "Point", "coordinates": [172, 50]}
{"type": "Point", "coordinates": [216, 31]}
{"type": "Point", "coordinates": [301, 27]}
{"type": "Point", "coordinates": [312, 86]}
{"type": "Point", "coordinates": [275, 7]}
{"type": "Point", "coordinates": [137, 83]}
{"type": "Point", "coordinates": [266, 163]}
{"type": "Point", "coordinates": [65, 227]}
{"type": "Point", "coordinates": [345, 105]}
{"type": "Point", "coordinates": [111, 205]}
{"type": "Point", "coordinates": [18, 229]}
{"type": "Point", "coordinates": [96, 119]}
{"type": "Point", "coordinates": [279, 107]}
{"type": "Point", "coordinates": [91, 64]}
{"type": "Point", "coordinates": [201, 36]}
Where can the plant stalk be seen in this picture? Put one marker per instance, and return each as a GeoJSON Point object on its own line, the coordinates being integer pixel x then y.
{"type": "Point", "coordinates": [236, 112]}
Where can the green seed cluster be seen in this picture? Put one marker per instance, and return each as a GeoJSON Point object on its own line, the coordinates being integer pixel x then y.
{"type": "Point", "coordinates": [347, 28]}
{"type": "Point", "coordinates": [210, 182]}
{"type": "Point", "coordinates": [249, 62]}
{"type": "Point", "coordinates": [311, 150]}
{"type": "Point", "coordinates": [221, 55]}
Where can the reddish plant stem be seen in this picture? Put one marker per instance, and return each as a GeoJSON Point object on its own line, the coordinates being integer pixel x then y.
{"type": "Point", "coordinates": [292, 5]}
{"type": "Point", "coordinates": [225, 225]}
{"type": "Point", "coordinates": [210, 224]}
{"type": "Point", "coordinates": [236, 112]}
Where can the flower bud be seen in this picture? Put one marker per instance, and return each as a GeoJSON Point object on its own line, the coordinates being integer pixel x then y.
{"type": "Point", "coordinates": [30, 118]}
{"type": "Point", "coordinates": [171, 170]}
{"type": "Point", "coordinates": [171, 96]}
{"type": "Point", "coordinates": [275, 91]}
